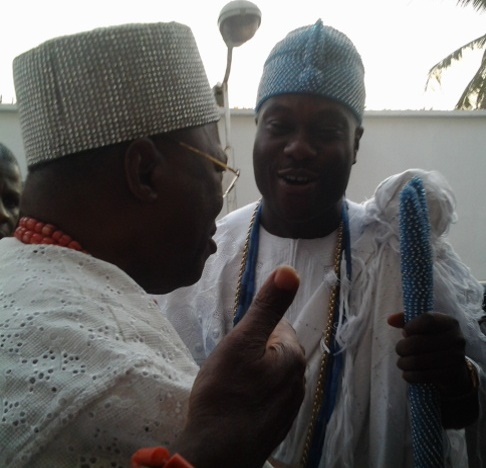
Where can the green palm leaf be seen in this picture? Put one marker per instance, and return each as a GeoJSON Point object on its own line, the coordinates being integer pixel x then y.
{"type": "Point", "coordinates": [477, 4]}
{"type": "Point", "coordinates": [474, 95]}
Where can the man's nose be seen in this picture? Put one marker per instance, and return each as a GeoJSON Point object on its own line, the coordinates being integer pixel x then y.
{"type": "Point", "coordinates": [300, 146]}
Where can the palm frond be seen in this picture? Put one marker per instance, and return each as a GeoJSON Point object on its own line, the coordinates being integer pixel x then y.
{"type": "Point", "coordinates": [435, 73]}
{"type": "Point", "coordinates": [476, 4]}
{"type": "Point", "coordinates": [474, 95]}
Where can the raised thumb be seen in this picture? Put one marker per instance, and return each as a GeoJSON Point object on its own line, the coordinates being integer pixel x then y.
{"type": "Point", "coordinates": [270, 303]}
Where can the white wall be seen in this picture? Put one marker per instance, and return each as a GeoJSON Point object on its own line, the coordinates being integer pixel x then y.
{"type": "Point", "coordinates": [453, 143]}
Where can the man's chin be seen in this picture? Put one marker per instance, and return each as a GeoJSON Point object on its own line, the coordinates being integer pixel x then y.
{"type": "Point", "coordinates": [188, 280]}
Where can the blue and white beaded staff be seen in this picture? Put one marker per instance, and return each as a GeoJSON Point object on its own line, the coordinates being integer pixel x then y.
{"type": "Point", "coordinates": [417, 274]}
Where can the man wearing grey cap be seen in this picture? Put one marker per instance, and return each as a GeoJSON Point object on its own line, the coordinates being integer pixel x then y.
{"type": "Point", "coordinates": [347, 312]}
{"type": "Point", "coordinates": [125, 182]}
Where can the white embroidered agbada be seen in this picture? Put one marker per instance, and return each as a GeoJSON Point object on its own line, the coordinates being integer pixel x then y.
{"type": "Point", "coordinates": [90, 371]}
{"type": "Point", "coordinates": [369, 426]}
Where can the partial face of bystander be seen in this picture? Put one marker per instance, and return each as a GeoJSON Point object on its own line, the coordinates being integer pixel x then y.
{"type": "Point", "coordinates": [10, 191]}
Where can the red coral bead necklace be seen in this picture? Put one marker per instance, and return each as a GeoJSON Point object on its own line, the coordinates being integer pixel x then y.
{"type": "Point", "coordinates": [32, 231]}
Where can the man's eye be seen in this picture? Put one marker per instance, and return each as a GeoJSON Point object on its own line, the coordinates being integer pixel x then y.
{"type": "Point", "coordinates": [278, 128]}
{"type": "Point", "coordinates": [330, 134]}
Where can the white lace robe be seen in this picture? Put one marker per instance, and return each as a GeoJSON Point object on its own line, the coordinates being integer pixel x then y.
{"type": "Point", "coordinates": [90, 370]}
{"type": "Point", "coordinates": [370, 423]}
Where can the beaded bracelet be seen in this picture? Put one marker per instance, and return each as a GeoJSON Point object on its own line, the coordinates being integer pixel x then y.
{"type": "Point", "coordinates": [158, 457]}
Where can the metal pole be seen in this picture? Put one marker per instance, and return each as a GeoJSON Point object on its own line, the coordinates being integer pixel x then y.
{"type": "Point", "coordinates": [231, 202]}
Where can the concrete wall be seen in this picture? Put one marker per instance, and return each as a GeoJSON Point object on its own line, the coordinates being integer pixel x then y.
{"type": "Point", "coordinates": [453, 143]}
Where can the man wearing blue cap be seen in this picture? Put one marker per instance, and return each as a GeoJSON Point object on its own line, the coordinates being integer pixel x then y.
{"type": "Point", "coordinates": [309, 112]}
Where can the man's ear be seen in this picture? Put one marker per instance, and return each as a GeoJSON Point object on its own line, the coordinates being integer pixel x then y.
{"type": "Point", "coordinates": [140, 162]}
{"type": "Point", "coordinates": [358, 133]}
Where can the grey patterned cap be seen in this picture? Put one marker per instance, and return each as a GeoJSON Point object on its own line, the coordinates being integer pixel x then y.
{"type": "Point", "coordinates": [110, 85]}
{"type": "Point", "coordinates": [315, 59]}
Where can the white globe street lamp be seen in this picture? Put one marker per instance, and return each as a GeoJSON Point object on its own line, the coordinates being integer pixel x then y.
{"type": "Point", "coordinates": [238, 22]}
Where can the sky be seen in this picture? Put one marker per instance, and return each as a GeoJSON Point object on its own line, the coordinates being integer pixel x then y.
{"type": "Point", "coordinates": [399, 40]}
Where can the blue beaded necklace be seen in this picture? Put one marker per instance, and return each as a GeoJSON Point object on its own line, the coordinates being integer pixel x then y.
{"type": "Point", "coordinates": [331, 363]}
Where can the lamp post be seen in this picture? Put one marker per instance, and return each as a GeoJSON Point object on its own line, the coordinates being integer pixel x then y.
{"type": "Point", "coordinates": [238, 22]}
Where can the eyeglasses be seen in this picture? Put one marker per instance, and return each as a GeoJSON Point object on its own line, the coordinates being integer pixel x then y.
{"type": "Point", "coordinates": [230, 175]}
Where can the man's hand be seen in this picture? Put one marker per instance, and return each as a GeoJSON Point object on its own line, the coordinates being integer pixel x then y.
{"type": "Point", "coordinates": [432, 351]}
{"type": "Point", "coordinates": [249, 390]}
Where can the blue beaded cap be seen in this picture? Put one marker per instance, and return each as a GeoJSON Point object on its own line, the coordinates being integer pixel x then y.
{"type": "Point", "coordinates": [315, 59]}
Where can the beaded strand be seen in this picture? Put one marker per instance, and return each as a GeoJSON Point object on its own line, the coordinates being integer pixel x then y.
{"type": "Point", "coordinates": [32, 231]}
{"type": "Point", "coordinates": [327, 336]}
{"type": "Point", "coordinates": [316, 427]}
